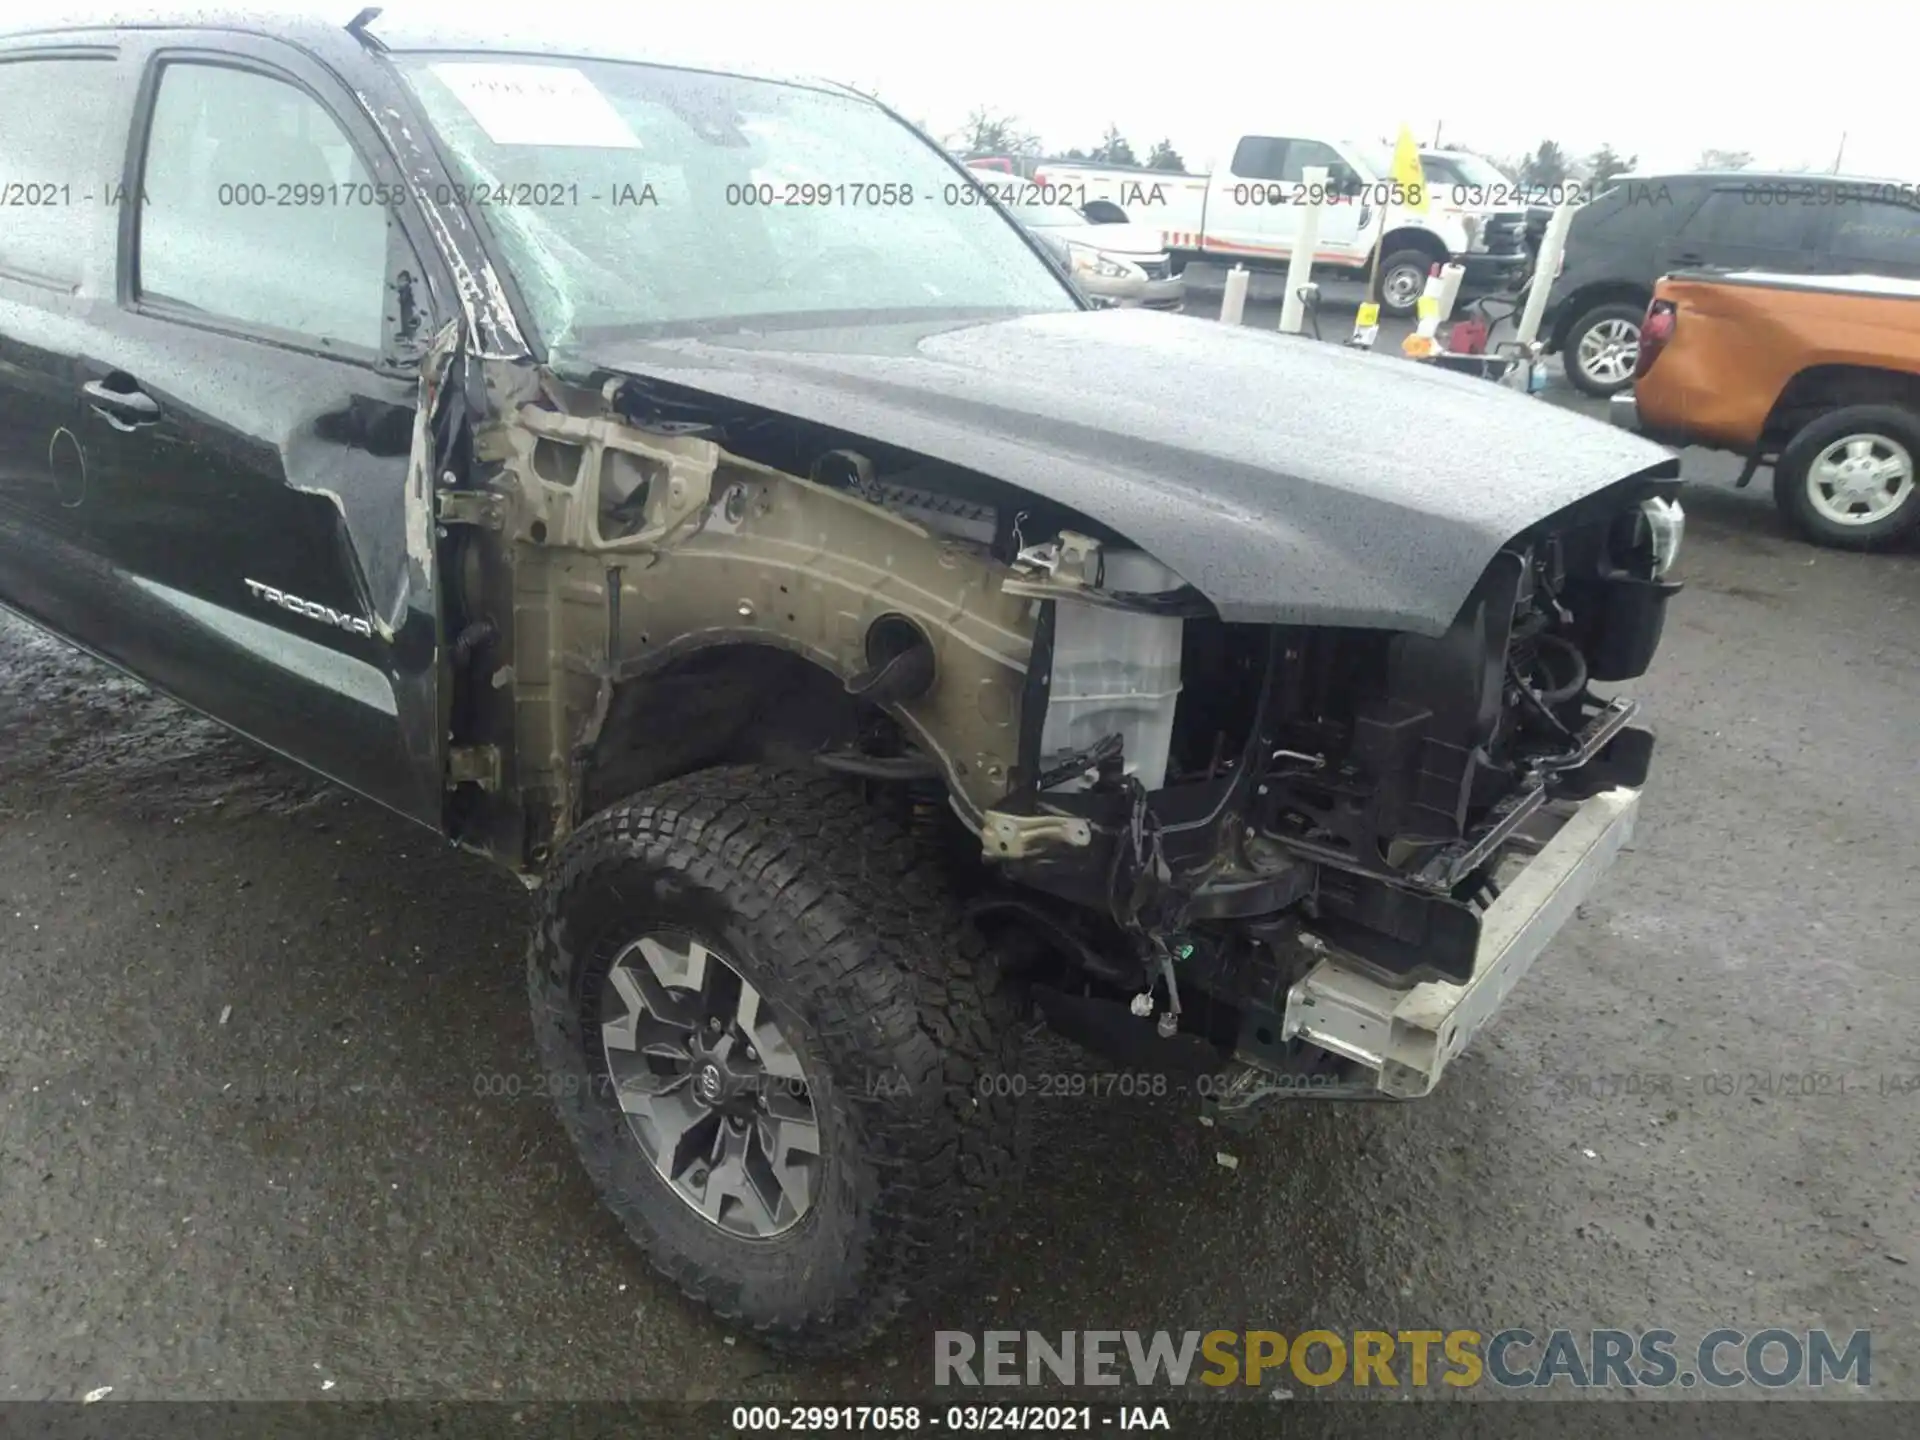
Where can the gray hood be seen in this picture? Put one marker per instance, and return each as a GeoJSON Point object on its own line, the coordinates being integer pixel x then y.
{"type": "Point", "coordinates": [1290, 481]}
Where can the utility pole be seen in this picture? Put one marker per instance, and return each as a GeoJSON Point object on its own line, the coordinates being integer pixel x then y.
{"type": "Point", "coordinates": [1841, 153]}
{"type": "Point", "coordinates": [1436, 133]}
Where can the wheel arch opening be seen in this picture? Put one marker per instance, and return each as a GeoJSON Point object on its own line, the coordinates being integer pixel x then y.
{"type": "Point", "coordinates": [732, 703]}
{"type": "Point", "coordinates": [1582, 303]}
{"type": "Point", "coordinates": [1820, 388]}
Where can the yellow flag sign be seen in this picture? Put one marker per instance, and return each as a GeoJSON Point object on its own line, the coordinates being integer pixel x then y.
{"type": "Point", "coordinates": [1407, 174]}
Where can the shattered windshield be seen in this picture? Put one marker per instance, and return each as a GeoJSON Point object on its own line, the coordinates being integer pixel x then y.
{"type": "Point", "coordinates": [644, 199]}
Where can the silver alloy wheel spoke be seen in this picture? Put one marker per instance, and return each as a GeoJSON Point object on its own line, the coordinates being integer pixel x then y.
{"type": "Point", "coordinates": [713, 1091]}
{"type": "Point", "coordinates": [731, 1190]}
{"type": "Point", "coordinates": [683, 970]}
{"type": "Point", "coordinates": [1860, 479]}
{"type": "Point", "coordinates": [788, 1152]}
{"type": "Point", "coordinates": [641, 1028]}
{"type": "Point", "coordinates": [673, 1121]}
{"type": "Point", "coordinates": [775, 1055]}
{"type": "Point", "coordinates": [1609, 351]}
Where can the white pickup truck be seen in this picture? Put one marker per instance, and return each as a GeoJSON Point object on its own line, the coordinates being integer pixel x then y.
{"type": "Point", "coordinates": [1249, 213]}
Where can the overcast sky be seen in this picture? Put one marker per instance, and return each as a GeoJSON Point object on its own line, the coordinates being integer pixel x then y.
{"type": "Point", "coordinates": [1660, 80]}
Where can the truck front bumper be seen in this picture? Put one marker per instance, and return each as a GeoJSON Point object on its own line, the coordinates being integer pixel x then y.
{"type": "Point", "coordinates": [1169, 293]}
{"type": "Point", "coordinates": [1492, 272]}
{"type": "Point", "coordinates": [1407, 1036]}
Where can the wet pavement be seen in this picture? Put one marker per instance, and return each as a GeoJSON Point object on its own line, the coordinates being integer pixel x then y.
{"type": "Point", "coordinates": [270, 1122]}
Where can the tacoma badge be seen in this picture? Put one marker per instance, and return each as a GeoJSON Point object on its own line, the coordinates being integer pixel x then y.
{"type": "Point", "coordinates": [312, 609]}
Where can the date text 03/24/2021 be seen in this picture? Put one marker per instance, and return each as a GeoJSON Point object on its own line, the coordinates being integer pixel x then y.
{"type": "Point", "coordinates": [957, 1419]}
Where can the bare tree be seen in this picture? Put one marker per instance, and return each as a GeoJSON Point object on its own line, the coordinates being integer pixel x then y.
{"type": "Point", "coordinates": [986, 133]}
{"type": "Point", "coordinates": [1114, 149]}
{"type": "Point", "coordinates": [1724, 160]}
{"type": "Point", "coordinates": [1164, 157]}
{"type": "Point", "coordinates": [1605, 163]}
{"type": "Point", "coordinates": [1545, 164]}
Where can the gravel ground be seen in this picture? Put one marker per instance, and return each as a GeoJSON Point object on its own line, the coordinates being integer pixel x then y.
{"type": "Point", "coordinates": [267, 1129]}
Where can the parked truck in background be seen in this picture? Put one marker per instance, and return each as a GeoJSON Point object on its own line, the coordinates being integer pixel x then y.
{"type": "Point", "coordinates": [1817, 375]}
{"type": "Point", "coordinates": [1462, 176]}
{"type": "Point", "coordinates": [1645, 226]}
{"type": "Point", "coordinates": [1249, 213]}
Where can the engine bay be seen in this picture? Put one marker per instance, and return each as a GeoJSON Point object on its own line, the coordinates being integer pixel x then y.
{"type": "Point", "coordinates": [1159, 813]}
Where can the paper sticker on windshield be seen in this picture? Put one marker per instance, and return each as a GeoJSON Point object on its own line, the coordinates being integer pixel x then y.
{"type": "Point", "coordinates": [537, 105]}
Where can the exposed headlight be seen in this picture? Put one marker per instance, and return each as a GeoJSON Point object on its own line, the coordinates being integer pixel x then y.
{"type": "Point", "coordinates": [1667, 524]}
{"type": "Point", "coordinates": [1088, 261]}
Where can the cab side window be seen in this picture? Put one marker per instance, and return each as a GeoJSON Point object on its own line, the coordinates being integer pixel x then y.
{"type": "Point", "coordinates": [255, 208]}
{"type": "Point", "coordinates": [1737, 216]}
{"type": "Point", "coordinates": [1259, 157]}
{"type": "Point", "coordinates": [52, 191]}
{"type": "Point", "coordinates": [1303, 153]}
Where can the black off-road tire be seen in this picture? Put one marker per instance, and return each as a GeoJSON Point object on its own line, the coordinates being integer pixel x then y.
{"type": "Point", "coordinates": [892, 1001]}
{"type": "Point", "coordinates": [1792, 473]}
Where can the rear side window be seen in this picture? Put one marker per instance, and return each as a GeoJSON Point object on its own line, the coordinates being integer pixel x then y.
{"type": "Point", "coordinates": [1605, 216]}
{"type": "Point", "coordinates": [1874, 233]}
{"type": "Point", "coordinates": [1259, 157]}
{"type": "Point", "coordinates": [257, 209]}
{"type": "Point", "coordinates": [1635, 212]}
{"type": "Point", "coordinates": [1742, 216]}
{"type": "Point", "coordinates": [53, 114]}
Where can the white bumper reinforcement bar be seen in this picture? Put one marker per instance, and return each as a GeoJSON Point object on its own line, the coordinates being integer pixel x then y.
{"type": "Point", "coordinates": [1407, 1036]}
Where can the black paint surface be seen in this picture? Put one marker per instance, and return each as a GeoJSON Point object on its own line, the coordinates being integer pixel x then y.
{"type": "Point", "coordinates": [1290, 481]}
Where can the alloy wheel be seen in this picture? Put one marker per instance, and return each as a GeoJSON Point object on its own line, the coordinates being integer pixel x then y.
{"type": "Point", "coordinates": [1859, 479]}
{"type": "Point", "coordinates": [712, 1089]}
{"type": "Point", "coordinates": [1608, 351]}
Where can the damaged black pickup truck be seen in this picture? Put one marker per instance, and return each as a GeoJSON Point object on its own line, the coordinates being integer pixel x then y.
{"type": "Point", "coordinates": [693, 492]}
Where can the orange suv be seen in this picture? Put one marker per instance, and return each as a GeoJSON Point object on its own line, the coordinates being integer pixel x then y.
{"type": "Point", "coordinates": [1817, 375]}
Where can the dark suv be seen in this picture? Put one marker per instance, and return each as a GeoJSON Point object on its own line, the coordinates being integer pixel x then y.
{"type": "Point", "coordinates": [1645, 226]}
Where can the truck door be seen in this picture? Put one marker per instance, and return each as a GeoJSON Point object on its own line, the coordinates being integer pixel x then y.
{"type": "Point", "coordinates": [55, 222]}
{"type": "Point", "coordinates": [1249, 211]}
{"type": "Point", "coordinates": [1340, 225]}
{"type": "Point", "coordinates": [249, 419]}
